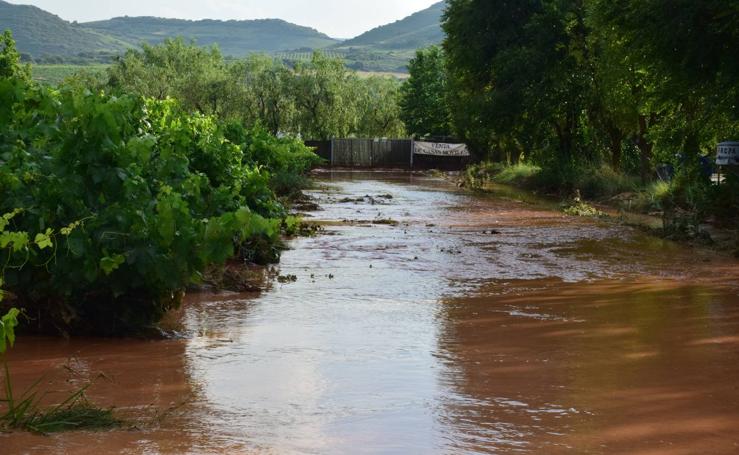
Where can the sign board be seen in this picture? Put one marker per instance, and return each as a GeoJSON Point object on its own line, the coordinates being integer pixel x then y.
{"type": "Point", "coordinates": [728, 154]}
{"type": "Point", "coordinates": [439, 149]}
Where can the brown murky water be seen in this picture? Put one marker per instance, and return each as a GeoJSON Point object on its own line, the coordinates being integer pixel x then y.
{"type": "Point", "coordinates": [476, 325]}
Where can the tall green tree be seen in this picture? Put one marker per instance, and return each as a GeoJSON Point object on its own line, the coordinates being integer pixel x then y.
{"type": "Point", "coordinates": [379, 108]}
{"type": "Point", "coordinates": [198, 77]}
{"type": "Point", "coordinates": [423, 101]}
{"type": "Point", "coordinates": [625, 105]}
{"type": "Point", "coordinates": [324, 94]}
{"type": "Point", "coordinates": [268, 96]}
{"type": "Point", "coordinates": [690, 49]}
{"type": "Point", "coordinates": [10, 59]}
{"type": "Point", "coordinates": [519, 75]}
{"type": "Point", "coordinates": [317, 99]}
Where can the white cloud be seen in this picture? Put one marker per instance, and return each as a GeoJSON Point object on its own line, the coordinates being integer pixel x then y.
{"type": "Point", "coordinates": [338, 18]}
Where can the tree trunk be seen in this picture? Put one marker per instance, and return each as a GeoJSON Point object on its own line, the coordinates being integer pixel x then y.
{"type": "Point", "coordinates": [564, 137]}
{"type": "Point", "coordinates": [616, 137]}
{"type": "Point", "coordinates": [645, 149]}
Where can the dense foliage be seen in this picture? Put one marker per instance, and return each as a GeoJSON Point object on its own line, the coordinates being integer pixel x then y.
{"type": "Point", "coordinates": [573, 86]}
{"type": "Point", "coordinates": [317, 99]}
{"type": "Point", "coordinates": [423, 102]}
{"type": "Point", "coordinates": [10, 63]}
{"type": "Point", "coordinates": [198, 77]}
{"type": "Point", "coordinates": [129, 200]}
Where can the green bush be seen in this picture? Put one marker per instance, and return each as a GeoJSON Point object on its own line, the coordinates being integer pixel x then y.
{"type": "Point", "coordinates": [692, 200]}
{"type": "Point", "coordinates": [136, 198]}
{"type": "Point", "coordinates": [651, 198]}
{"type": "Point", "coordinates": [286, 159]}
{"type": "Point", "coordinates": [521, 174]}
{"type": "Point", "coordinates": [724, 202]}
{"type": "Point", "coordinates": [604, 182]}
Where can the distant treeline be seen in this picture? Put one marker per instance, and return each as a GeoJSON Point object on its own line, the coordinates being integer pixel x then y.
{"type": "Point", "coordinates": [316, 98]}
{"type": "Point", "coordinates": [354, 59]}
{"type": "Point", "coordinates": [83, 58]}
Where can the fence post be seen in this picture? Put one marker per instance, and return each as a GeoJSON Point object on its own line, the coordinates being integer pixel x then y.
{"type": "Point", "coordinates": [413, 151]}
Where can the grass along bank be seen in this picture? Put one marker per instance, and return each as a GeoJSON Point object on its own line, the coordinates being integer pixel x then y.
{"type": "Point", "coordinates": [705, 213]}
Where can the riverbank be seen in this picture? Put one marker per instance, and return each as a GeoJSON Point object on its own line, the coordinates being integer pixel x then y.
{"type": "Point", "coordinates": [605, 193]}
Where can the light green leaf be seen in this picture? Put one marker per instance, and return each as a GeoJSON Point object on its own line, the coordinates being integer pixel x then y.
{"type": "Point", "coordinates": [43, 240]}
{"type": "Point", "coordinates": [8, 323]}
{"type": "Point", "coordinates": [18, 240]}
{"type": "Point", "coordinates": [5, 219]}
{"type": "Point", "coordinates": [110, 264]}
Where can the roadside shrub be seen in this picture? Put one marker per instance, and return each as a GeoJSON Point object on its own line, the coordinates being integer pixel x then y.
{"type": "Point", "coordinates": [286, 159]}
{"type": "Point", "coordinates": [520, 174]}
{"type": "Point", "coordinates": [652, 198]}
{"type": "Point", "coordinates": [604, 182]}
{"type": "Point", "coordinates": [724, 205]}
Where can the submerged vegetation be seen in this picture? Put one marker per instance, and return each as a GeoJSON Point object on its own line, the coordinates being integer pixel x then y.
{"type": "Point", "coordinates": [26, 412]}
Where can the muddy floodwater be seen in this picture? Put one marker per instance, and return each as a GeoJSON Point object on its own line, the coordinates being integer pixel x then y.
{"type": "Point", "coordinates": [429, 320]}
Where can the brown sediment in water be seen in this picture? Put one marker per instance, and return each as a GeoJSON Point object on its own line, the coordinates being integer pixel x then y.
{"type": "Point", "coordinates": [628, 367]}
{"type": "Point", "coordinates": [476, 324]}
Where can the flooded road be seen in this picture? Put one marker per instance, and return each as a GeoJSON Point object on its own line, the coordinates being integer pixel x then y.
{"type": "Point", "coordinates": [429, 320]}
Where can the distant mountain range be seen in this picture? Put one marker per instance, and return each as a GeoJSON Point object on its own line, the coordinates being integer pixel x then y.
{"type": "Point", "coordinates": [43, 36]}
{"type": "Point", "coordinates": [235, 38]}
{"type": "Point", "coordinates": [38, 33]}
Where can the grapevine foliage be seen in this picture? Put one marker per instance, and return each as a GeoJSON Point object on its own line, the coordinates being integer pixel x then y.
{"type": "Point", "coordinates": [127, 201]}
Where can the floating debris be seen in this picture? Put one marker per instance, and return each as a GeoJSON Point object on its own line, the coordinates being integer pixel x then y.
{"type": "Point", "coordinates": [387, 222]}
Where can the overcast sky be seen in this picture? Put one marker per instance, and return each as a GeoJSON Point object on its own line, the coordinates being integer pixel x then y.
{"type": "Point", "coordinates": [337, 18]}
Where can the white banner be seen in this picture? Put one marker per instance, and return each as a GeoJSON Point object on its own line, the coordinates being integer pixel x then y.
{"type": "Point", "coordinates": [438, 149]}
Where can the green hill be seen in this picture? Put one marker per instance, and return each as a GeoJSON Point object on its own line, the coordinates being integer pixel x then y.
{"type": "Point", "coordinates": [391, 46]}
{"type": "Point", "coordinates": [418, 30]}
{"type": "Point", "coordinates": [235, 38]}
{"type": "Point", "coordinates": [49, 39]}
{"type": "Point", "coordinates": [39, 33]}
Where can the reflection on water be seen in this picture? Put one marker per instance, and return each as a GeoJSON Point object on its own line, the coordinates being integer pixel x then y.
{"type": "Point", "coordinates": [473, 325]}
